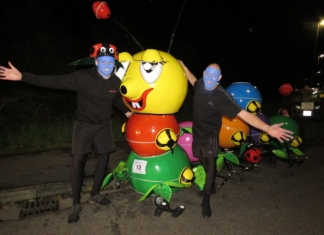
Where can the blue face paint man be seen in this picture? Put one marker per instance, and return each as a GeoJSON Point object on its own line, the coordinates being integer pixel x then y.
{"type": "Point", "coordinates": [211, 76]}
{"type": "Point", "coordinates": [106, 65]}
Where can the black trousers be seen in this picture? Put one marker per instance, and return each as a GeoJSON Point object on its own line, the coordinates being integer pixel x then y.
{"type": "Point", "coordinates": [207, 150]}
{"type": "Point", "coordinates": [86, 138]}
{"type": "Point", "coordinates": [77, 176]}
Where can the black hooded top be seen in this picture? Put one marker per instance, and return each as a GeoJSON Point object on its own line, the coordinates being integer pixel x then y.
{"type": "Point", "coordinates": [208, 108]}
{"type": "Point", "coordinates": [95, 95]}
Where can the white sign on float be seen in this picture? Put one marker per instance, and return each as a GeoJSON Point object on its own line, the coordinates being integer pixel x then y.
{"type": "Point", "coordinates": [139, 166]}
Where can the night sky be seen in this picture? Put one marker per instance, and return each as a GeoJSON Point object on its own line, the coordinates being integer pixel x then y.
{"type": "Point", "coordinates": [267, 43]}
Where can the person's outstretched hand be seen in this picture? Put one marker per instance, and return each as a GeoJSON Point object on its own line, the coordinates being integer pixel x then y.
{"type": "Point", "coordinates": [281, 134]}
{"type": "Point", "coordinates": [11, 73]}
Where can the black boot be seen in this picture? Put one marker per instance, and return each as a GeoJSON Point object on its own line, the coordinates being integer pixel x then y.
{"type": "Point", "coordinates": [206, 210]}
{"type": "Point", "coordinates": [74, 216]}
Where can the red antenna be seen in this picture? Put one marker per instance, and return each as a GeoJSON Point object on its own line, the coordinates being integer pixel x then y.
{"type": "Point", "coordinates": [102, 11]}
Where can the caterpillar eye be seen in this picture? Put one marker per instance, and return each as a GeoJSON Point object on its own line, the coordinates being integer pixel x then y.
{"type": "Point", "coordinates": [150, 71]}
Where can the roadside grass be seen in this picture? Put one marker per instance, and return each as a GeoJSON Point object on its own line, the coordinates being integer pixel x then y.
{"type": "Point", "coordinates": [40, 135]}
{"type": "Point", "coordinates": [37, 135]}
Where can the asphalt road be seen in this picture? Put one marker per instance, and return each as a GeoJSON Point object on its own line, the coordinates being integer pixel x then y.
{"type": "Point", "coordinates": [270, 199]}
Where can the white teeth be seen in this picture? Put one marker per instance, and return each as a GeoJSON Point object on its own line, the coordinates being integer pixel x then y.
{"type": "Point", "coordinates": [135, 105]}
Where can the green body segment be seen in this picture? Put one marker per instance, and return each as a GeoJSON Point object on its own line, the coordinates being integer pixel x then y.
{"type": "Point", "coordinates": [145, 172]}
{"type": "Point", "coordinates": [288, 123]}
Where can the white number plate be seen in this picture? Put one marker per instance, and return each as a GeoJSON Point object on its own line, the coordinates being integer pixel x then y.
{"type": "Point", "coordinates": [307, 113]}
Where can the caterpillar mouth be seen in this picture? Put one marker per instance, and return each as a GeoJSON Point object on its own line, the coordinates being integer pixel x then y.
{"type": "Point", "coordinates": [140, 103]}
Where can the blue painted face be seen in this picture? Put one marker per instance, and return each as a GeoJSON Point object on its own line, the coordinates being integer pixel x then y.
{"type": "Point", "coordinates": [106, 65]}
{"type": "Point", "coordinates": [211, 77]}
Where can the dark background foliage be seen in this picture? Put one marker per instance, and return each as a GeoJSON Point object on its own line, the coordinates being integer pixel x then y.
{"type": "Point", "coordinates": [267, 43]}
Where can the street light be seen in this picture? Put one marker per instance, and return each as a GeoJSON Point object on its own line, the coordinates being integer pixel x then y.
{"type": "Point", "coordinates": [315, 50]}
{"type": "Point", "coordinates": [318, 70]}
{"type": "Point", "coordinates": [318, 58]}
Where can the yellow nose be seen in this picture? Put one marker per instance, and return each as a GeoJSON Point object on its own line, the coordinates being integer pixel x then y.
{"type": "Point", "coordinates": [130, 88]}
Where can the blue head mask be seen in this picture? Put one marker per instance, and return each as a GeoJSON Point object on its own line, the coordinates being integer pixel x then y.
{"type": "Point", "coordinates": [106, 65]}
{"type": "Point", "coordinates": [211, 77]}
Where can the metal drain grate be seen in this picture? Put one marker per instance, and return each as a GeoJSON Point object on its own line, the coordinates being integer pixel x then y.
{"type": "Point", "coordinates": [39, 206]}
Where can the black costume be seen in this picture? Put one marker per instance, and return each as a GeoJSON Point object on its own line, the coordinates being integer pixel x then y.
{"type": "Point", "coordinates": [92, 131]}
{"type": "Point", "coordinates": [209, 106]}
